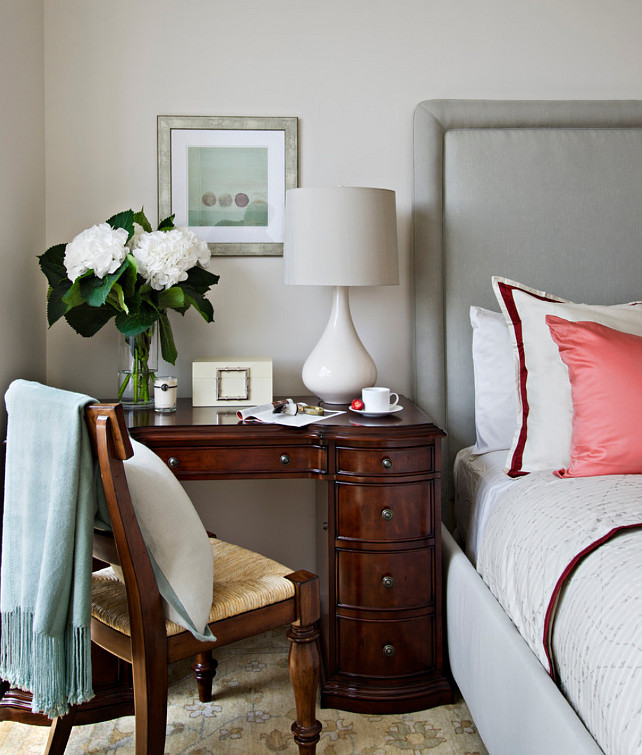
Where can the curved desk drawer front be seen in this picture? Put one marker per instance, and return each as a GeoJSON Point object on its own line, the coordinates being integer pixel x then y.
{"type": "Point", "coordinates": [385, 513]}
{"type": "Point", "coordinates": [387, 649]}
{"type": "Point", "coordinates": [385, 462]}
{"type": "Point", "coordinates": [385, 581]}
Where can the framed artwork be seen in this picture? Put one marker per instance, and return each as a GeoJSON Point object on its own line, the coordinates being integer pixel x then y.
{"type": "Point", "coordinates": [225, 178]}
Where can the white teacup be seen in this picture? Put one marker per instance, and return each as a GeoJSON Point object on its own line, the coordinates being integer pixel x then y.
{"type": "Point", "coordinates": [379, 400]}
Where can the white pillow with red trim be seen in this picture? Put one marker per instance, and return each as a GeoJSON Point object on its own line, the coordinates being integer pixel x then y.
{"type": "Point", "coordinates": [542, 439]}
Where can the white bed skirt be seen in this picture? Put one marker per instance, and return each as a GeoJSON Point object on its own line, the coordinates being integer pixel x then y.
{"type": "Point", "coordinates": [515, 704]}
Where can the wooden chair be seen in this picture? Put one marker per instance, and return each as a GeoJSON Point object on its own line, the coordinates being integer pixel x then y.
{"type": "Point", "coordinates": [134, 628]}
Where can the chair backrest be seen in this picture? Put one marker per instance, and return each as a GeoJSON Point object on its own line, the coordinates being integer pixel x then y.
{"type": "Point", "coordinates": [111, 446]}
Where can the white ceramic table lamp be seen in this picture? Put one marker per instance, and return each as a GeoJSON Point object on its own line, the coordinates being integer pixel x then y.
{"type": "Point", "coordinates": [341, 236]}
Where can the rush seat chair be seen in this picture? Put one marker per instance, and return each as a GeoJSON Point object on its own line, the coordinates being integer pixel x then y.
{"type": "Point", "coordinates": [251, 594]}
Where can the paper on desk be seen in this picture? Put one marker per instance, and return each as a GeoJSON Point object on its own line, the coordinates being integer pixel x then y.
{"type": "Point", "coordinates": [265, 413]}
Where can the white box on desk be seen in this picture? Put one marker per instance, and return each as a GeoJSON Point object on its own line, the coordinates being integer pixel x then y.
{"type": "Point", "coordinates": [231, 381]}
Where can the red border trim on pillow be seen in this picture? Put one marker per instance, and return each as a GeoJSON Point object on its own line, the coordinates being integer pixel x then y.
{"type": "Point", "coordinates": [506, 292]}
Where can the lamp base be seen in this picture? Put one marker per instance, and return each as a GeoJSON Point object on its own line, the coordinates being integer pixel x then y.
{"type": "Point", "coordinates": [339, 365]}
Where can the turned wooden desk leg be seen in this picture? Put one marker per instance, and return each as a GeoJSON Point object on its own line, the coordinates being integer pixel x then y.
{"type": "Point", "coordinates": [305, 660]}
{"type": "Point", "coordinates": [204, 668]}
{"type": "Point", "coordinates": [304, 666]}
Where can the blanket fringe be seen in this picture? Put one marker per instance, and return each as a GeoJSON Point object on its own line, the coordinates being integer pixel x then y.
{"type": "Point", "coordinates": [56, 670]}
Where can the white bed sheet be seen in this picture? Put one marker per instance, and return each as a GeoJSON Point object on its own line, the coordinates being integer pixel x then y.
{"type": "Point", "coordinates": [479, 482]}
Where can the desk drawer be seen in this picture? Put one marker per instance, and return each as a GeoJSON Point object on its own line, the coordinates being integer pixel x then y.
{"type": "Point", "coordinates": [385, 512]}
{"type": "Point", "coordinates": [389, 462]}
{"type": "Point", "coordinates": [385, 580]}
{"type": "Point", "coordinates": [243, 460]}
{"type": "Point", "coordinates": [386, 648]}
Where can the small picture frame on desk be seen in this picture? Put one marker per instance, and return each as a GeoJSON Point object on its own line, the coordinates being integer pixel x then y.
{"type": "Point", "coordinates": [225, 178]}
{"type": "Point", "coordinates": [231, 381]}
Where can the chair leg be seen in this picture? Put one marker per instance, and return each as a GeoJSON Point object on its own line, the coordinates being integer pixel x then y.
{"type": "Point", "coordinates": [59, 732]}
{"type": "Point", "coordinates": [304, 666]}
{"type": "Point", "coordinates": [204, 668]}
{"type": "Point", "coordinates": [150, 708]}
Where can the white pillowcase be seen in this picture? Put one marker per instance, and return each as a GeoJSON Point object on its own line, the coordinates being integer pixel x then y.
{"type": "Point", "coordinates": [176, 540]}
{"type": "Point", "coordinates": [495, 381]}
{"type": "Point", "coordinates": [545, 408]}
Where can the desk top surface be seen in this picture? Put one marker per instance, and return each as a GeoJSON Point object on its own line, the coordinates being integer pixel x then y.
{"type": "Point", "coordinates": [188, 416]}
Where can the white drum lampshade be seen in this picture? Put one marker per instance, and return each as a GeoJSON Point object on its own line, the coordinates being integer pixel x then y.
{"type": "Point", "coordinates": [340, 236]}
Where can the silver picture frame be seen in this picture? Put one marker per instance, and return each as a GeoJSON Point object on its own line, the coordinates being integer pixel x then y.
{"type": "Point", "coordinates": [225, 178]}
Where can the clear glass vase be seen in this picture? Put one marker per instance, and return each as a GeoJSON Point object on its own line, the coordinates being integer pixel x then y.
{"type": "Point", "coordinates": [138, 364]}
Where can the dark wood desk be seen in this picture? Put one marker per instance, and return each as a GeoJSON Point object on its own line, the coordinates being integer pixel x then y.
{"type": "Point", "coordinates": [383, 646]}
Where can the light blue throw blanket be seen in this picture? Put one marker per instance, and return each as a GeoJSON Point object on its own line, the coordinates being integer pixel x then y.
{"type": "Point", "coordinates": [50, 505]}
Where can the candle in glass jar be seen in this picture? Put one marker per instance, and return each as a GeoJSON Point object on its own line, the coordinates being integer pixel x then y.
{"type": "Point", "coordinates": [165, 390]}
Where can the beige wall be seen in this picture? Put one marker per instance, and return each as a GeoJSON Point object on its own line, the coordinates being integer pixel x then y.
{"type": "Point", "coordinates": [352, 71]}
{"type": "Point", "coordinates": [22, 194]}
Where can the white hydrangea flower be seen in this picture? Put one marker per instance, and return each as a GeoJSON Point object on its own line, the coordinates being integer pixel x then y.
{"type": "Point", "coordinates": [100, 248]}
{"type": "Point", "coordinates": [164, 257]}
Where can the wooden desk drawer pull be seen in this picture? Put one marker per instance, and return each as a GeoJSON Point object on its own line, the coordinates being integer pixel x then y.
{"type": "Point", "coordinates": [387, 463]}
{"type": "Point", "coordinates": [387, 514]}
{"type": "Point", "coordinates": [387, 581]}
{"type": "Point", "coordinates": [285, 459]}
{"type": "Point", "coordinates": [388, 650]}
{"type": "Point", "coordinates": [173, 462]}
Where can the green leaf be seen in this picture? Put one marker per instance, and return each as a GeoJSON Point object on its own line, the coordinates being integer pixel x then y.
{"type": "Point", "coordinates": [202, 305]}
{"type": "Point", "coordinates": [141, 219]}
{"type": "Point", "coordinates": [123, 220]}
{"type": "Point", "coordinates": [56, 307]}
{"type": "Point", "coordinates": [168, 347]}
{"type": "Point", "coordinates": [117, 298]}
{"type": "Point", "coordinates": [96, 290]}
{"type": "Point", "coordinates": [171, 298]}
{"type": "Point", "coordinates": [167, 224]}
{"type": "Point", "coordinates": [86, 320]}
{"type": "Point", "coordinates": [200, 279]}
{"type": "Point", "coordinates": [137, 320]}
{"type": "Point", "coordinates": [129, 277]}
{"type": "Point", "coordinates": [74, 297]}
{"type": "Point", "coordinates": [52, 264]}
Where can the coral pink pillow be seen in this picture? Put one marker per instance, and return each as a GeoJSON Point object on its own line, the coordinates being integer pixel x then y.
{"type": "Point", "coordinates": [605, 372]}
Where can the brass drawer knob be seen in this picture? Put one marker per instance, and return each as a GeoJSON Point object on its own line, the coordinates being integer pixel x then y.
{"type": "Point", "coordinates": [387, 514]}
{"type": "Point", "coordinates": [387, 581]}
{"type": "Point", "coordinates": [285, 459]}
{"type": "Point", "coordinates": [173, 462]}
{"type": "Point", "coordinates": [387, 463]}
{"type": "Point", "coordinates": [388, 650]}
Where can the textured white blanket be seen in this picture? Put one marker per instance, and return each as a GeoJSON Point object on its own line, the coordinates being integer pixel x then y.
{"type": "Point", "coordinates": [564, 559]}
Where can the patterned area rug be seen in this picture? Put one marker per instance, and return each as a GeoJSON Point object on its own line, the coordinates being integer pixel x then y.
{"type": "Point", "coordinates": [252, 713]}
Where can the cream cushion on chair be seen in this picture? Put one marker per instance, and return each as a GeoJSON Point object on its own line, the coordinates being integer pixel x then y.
{"type": "Point", "coordinates": [244, 581]}
{"type": "Point", "coordinates": [175, 538]}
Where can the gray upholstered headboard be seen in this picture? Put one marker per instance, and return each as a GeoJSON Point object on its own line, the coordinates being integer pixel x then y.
{"type": "Point", "coordinates": [546, 193]}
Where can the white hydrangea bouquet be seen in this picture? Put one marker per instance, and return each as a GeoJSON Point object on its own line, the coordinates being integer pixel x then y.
{"type": "Point", "coordinates": [123, 269]}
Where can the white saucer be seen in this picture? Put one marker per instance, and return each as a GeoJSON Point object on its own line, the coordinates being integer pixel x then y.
{"type": "Point", "coordinates": [394, 410]}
